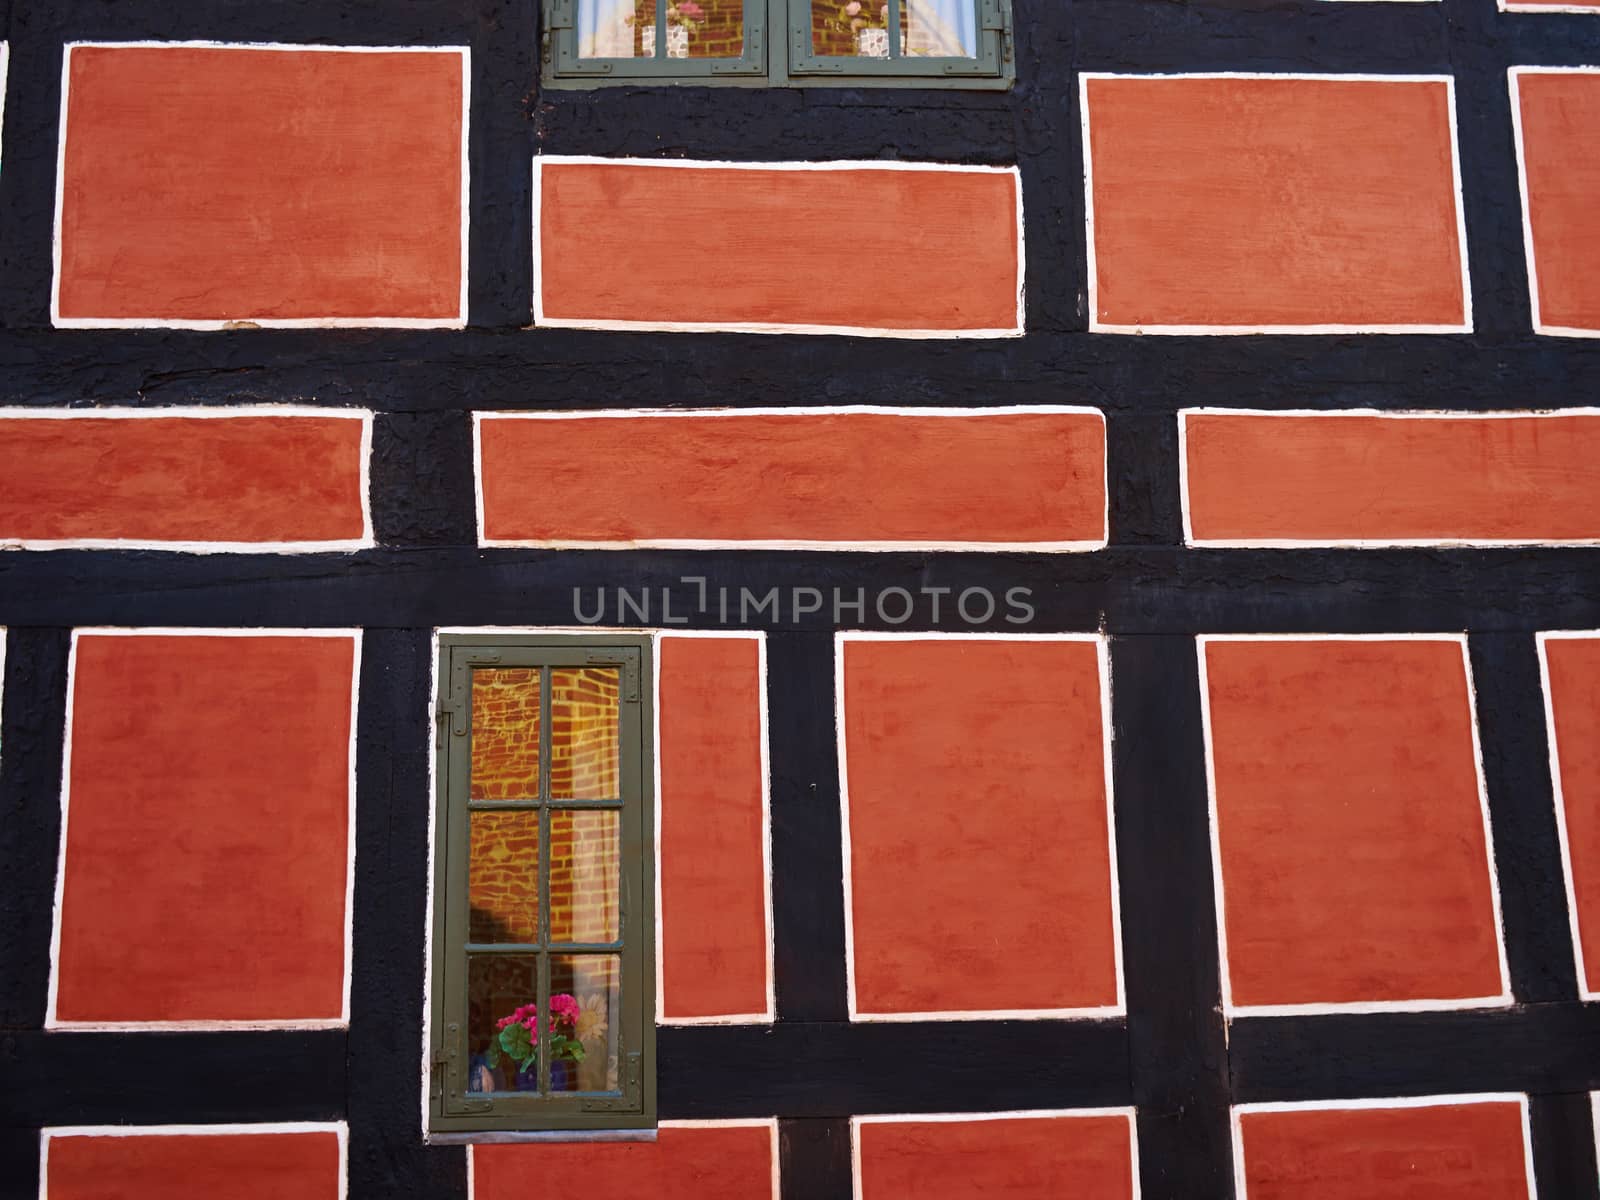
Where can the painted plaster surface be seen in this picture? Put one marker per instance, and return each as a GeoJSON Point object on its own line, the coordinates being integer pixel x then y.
{"type": "Point", "coordinates": [1561, 177]}
{"type": "Point", "coordinates": [240, 1166]}
{"type": "Point", "coordinates": [731, 1162]}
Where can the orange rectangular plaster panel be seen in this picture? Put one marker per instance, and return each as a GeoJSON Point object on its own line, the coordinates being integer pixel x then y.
{"type": "Point", "coordinates": [977, 822]}
{"type": "Point", "coordinates": [1334, 478]}
{"type": "Point", "coordinates": [1349, 824]}
{"type": "Point", "coordinates": [204, 184]}
{"type": "Point", "coordinates": [210, 479]}
{"type": "Point", "coordinates": [206, 864]}
{"type": "Point", "coordinates": [889, 249]}
{"type": "Point", "coordinates": [714, 944]}
{"type": "Point", "coordinates": [1572, 707]}
{"type": "Point", "coordinates": [951, 478]}
{"type": "Point", "coordinates": [241, 1162]}
{"type": "Point", "coordinates": [1556, 113]}
{"type": "Point", "coordinates": [1242, 203]}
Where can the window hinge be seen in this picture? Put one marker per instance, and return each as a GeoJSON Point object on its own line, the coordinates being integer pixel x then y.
{"type": "Point", "coordinates": [452, 708]}
{"type": "Point", "coordinates": [560, 15]}
{"type": "Point", "coordinates": [993, 15]}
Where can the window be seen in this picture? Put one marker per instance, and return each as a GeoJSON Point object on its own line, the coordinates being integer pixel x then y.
{"type": "Point", "coordinates": [798, 43]}
{"type": "Point", "coordinates": [543, 983]}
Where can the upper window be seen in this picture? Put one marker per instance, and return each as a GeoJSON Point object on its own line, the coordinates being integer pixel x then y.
{"type": "Point", "coordinates": [912, 43]}
{"type": "Point", "coordinates": [543, 977]}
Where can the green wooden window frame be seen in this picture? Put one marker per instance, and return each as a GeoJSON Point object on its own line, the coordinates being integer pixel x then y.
{"type": "Point", "coordinates": [453, 1108]}
{"type": "Point", "coordinates": [783, 59]}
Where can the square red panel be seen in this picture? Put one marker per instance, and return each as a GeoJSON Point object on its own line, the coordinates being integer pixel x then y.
{"type": "Point", "coordinates": [1572, 708]}
{"type": "Point", "coordinates": [715, 943]}
{"type": "Point", "coordinates": [1350, 825]}
{"type": "Point", "coordinates": [689, 1160]}
{"type": "Point", "coordinates": [206, 859]}
{"type": "Point", "coordinates": [204, 184]}
{"type": "Point", "coordinates": [979, 869]}
{"type": "Point", "coordinates": [1556, 113]}
{"type": "Point", "coordinates": [1433, 1148]}
{"type": "Point", "coordinates": [241, 1162]}
{"type": "Point", "coordinates": [1292, 203]}
{"type": "Point", "coordinates": [1014, 1156]}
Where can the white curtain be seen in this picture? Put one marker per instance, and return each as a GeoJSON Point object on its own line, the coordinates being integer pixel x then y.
{"type": "Point", "coordinates": [604, 30]}
{"type": "Point", "coordinates": [945, 28]}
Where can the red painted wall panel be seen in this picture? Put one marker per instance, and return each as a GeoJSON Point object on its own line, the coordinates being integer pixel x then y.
{"type": "Point", "coordinates": [163, 479]}
{"type": "Point", "coordinates": [1024, 1158]}
{"type": "Point", "coordinates": [206, 184]}
{"type": "Point", "coordinates": [1349, 823]}
{"type": "Point", "coordinates": [1572, 667]}
{"type": "Point", "coordinates": [1557, 114]}
{"type": "Point", "coordinates": [239, 1165]}
{"type": "Point", "coordinates": [977, 825]}
{"type": "Point", "coordinates": [1006, 479]}
{"type": "Point", "coordinates": [712, 836]}
{"type": "Point", "coordinates": [1346, 187]}
{"type": "Point", "coordinates": [733, 1162]}
{"type": "Point", "coordinates": [207, 839]}
{"type": "Point", "coordinates": [721, 246]}
{"type": "Point", "coordinates": [1258, 477]}
{"type": "Point", "coordinates": [1449, 1151]}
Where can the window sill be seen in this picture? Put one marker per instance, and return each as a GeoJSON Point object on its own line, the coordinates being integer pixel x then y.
{"type": "Point", "coordinates": [508, 1137]}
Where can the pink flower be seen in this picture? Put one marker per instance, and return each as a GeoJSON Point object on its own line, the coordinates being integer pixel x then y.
{"type": "Point", "coordinates": [563, 1008]}
{"type": "Point", "coordinates": [690, 9]}
{"type": "Point", "coordinates": [853, 8]}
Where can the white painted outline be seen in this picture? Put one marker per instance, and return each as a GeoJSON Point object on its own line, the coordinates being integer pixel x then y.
{"type": "Point", "coordinates": [340, 1130]}
{"type": "Point", "coordinates": [1588, 10]}
{"type": "Point", "coordinates": [1541, 641]}
{"type": "Point", "coordinates": [768, 1123]}
{"type": "Point", "coordinates": [770, 1014]}
{"type": "Point", "coordinates": [1453, 1101]}
{"type": "Point", "coordinates": [257, 411]}
{"type": "Point", "coordinates": [540, 320]}
{"type": "Point", "coordinates": [5, 72]}
{"type": "Point", "coordinates": [615, 414]}
{"type": "Point", "coordinates": [1189, 538]}
{"type": "Point", "coordinates": [457, 322]}
{"type": "Point", "coordinates": [51, 1021]}
{"type": "Point", "coordinates": [1231, 1010]}
{"type": "Point", "coordinates": [1098, 326]}
{"type": "Point", "coordinates": [576, 632]}
{"type": "Point", "coordinates": [1103, 658]}
{"type": "Point", "coordinates": [1042, 1114]}
{"type": "Point", "coordinates": [1514, 82]}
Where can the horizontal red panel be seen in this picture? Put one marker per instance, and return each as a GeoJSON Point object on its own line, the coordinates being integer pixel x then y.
{"type": "Point", "coordinates": [1021, 1157]}
{"type": "Point", "coordinates": [207, 812]}
{"type": "Point", "coordinates": [1339, 478]}
{"type": "Point", "coordinates": [1010, 478]}
{"type": "Point", "coordinates": [713, 835]}
{"type": "Point", "coordinates": [202, 481]}
{"type": "Point", "coordinates": [241, 1164]}
{"type": "Point", "coordinates": [976, 817]}
{"type": "Point", "coordinates": [1324, 201]}
{"type": "Point", "coordinates": [1572, 683]}
{"type": "Point", "coordinates": [1459, 1148]}
{"type": "Point", "coordinates": [733, 1161]}
{"type": "Point", "coordinates": [207, 184]}
{"type": "Point", "coordinates": [1557, 113]}
{"type": "Point", "coordinates": [1349, 823]}
{"type": "Point", "coordinates": [779, 246]}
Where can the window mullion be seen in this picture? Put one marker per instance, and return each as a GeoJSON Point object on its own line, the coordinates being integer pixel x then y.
{"type": "Point", "coordinates": [894, 29]}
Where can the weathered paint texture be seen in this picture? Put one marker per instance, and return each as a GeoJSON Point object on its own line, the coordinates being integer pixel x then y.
{"type": "Point", "coordinates": [1323, 202]}
{"type": "Point", "coordinates": [204, 184]}
{"type": "Point", "coordinates": [730, 1162]}
{"type": "Point", "coordinates": [999, 479]}
{"type": "Point", "coordinates": [977, 826]}
{"type": "Point", "coordinates": [1341, 478]}
{"type": "Point", "coordinates": [1038, 1158]}
{"type": "Point", "coordinates": [267, 479]}
{"type": "Point", "coordinates": [1573, 673]}
{"type": "Point", "coordinates": [632, 241]}
{"type": "Point", "coordinates": [241, 1165]}
{"type": "Point", "coordinates": [207, 832]}
{"type": "Point", "coordinates": [1449, 1151]}
{"type": "Point", "coordinates": [1558, 113]}
{"type": "Point", "coordinates": [713, 943]}
{"type": "Point", "coordinates": [1348, 822]}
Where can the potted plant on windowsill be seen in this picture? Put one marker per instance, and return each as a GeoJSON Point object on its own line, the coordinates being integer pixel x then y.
{"type": "Point", "coordinates": [517, 1043]}
{"type": "Point", "coordinates": [867, 24]}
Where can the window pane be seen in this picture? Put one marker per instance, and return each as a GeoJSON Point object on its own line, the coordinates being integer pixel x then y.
{"type": "Point", "coordinates": [584, 1007]}
{"type": "Point", "coordinates": [505, 734]}
{"type": "Point", "coordinates": [616, 28]}
{"type": "Point", "coordinates": [584, 763]}
{"type": "Point", "coordinates": [503, 877]}
{"type": "Point", "coordinates": [502, 997]}
{"type": "Point", "coordinates": [584, 865]}
{"type": "Point", "coordinates": [712, 28]}
{"type": "Point", "coordinates": [928, 28]}
{"type": "Point", "coordinates": [627, 28]}
{"type": "Point", "coordinates": [850, 28]}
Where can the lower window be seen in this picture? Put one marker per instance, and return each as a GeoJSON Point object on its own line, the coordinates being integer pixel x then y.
{"type": "Point", "coordinates": [543, 976]}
